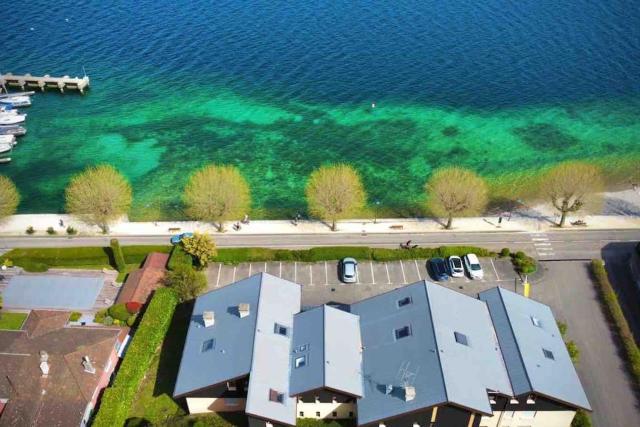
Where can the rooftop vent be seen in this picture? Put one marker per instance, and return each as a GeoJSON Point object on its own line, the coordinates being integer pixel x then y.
{"type": "Point", "coordinates": [87, 365]}
{"type": "Point", "coordinates": [548, 354]}
{"type": "Point", "coordinates": [409, 393]}
{"type": "Point", "coordinates": [536, 321]}
{"type": "Point", "coordinates": [209, 318]}
{"type": "Point", "coordinates": [243, 310]}
{"type": "Point", "coordinates": [44, 365]}
{"type": "Point", "coordinates": [461, 338]}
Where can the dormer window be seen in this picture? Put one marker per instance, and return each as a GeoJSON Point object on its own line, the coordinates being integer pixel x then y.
{"type": "Point", "coordinates": [403, 332]}
{"type": "Point", "coordinates": [461, 338]}
{"type": "Point", "coordinates": [404, 302]}
{"type": "Point", "coordinates": [548, 354]}
{"type": "Point", "coordinates": [208, 345]}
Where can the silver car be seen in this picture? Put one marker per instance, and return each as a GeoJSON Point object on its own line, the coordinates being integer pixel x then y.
{"type": "Point", "coordinates": [456, 269]}
{"type": "Point", "coordinates": [348, 269]}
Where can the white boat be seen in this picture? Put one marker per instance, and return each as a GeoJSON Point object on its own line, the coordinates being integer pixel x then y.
{"type": "Point", "coordinates": [8, 109]}
{"type": "Point", "coordinates": [12, 119]}
{"type": "Point", "coordinates": [5, 160]}
{"type": "Point", "coordinates": [8, 139]}
{"type": "Point", "coordinates": [16, 101]}
{"type": "Point", "coordinates": [13, 130]}
{"type": "Point", "coordinates": [5, 147]}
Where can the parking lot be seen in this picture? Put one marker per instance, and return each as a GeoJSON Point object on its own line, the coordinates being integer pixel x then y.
{"type": "Point", "coordinates": [321, 283]}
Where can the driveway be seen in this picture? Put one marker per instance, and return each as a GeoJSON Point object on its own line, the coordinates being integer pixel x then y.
{"type": "Point", "coordinates": [567, 287]}
{"type": "Point", "coordinates": [321, 284]}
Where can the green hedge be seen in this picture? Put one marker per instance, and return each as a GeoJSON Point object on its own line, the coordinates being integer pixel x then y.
{"type": "Point", "coordinates": [581, 419]}
{"type": "Point", "coordinates": [116, 400]}
{"type": "Point", "coordinates": [179, 257]}
{"type": "Point", "coordinates": [329, 253]}
{"type": "Point", "coordinates": [118, 257]}
{"type": "Point", "coordinates": [41, 259]}
{"type": "Point", "coordinates": [610, 300]}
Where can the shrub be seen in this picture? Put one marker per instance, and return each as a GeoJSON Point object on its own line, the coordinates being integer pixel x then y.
{"type": "Point", "coordinates": [131, 320]}
{"type": "Point", "coordinates": [523, 263]}
{"type": "Point", "coordinates": [71, 231]}
{"type": "Point", "coordinates": [133, 307]}
{"type": "Point", "coordinates": [505, 252]}
{"type": "Point", "coordinates": [610, 300]}
{"type": "Point", "coordinates": [116, 400]}
{"type": "Point", "coordinates": [51, 231]}
{"type": "Point", "coordinates": [100, 315]}
{"type": "Point", "coordinates": [179, 257]}
{"type": "Point", "coordinates": [118, 257]}
{"type": "Point", "coordinates": [574, 351]}
{"type": "Point", "coordinates": [201, 247]}
{"type": "Point", "coordinates": [117, 322]}
{"type": "Point", "coordinates": [581, 419]}
{"type": "Point", "coordinates": [187, 282]}
{"type": "Point", "coordinates": [119, 312]}
{"type": "Point", "coordinates": [75, 316]}
{"type": "Point", "coordinates": [108, 321]}
{"type": "Point", "coordinates": [30, 230]}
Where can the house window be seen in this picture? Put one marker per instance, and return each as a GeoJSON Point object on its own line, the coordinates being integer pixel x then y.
{"type": "Point", "coordinates": [548, 354]}
{"type": "Point", "coordinates": [301, 414]}
{"type": "Point", "coordinates": [275, 396]}
{"type": "Point", "coordinates": [318, 414]}
{"type": "Point", "coordinates": [208, 345]}
{"type": "Point", "coordinates": [404, 301]}
{"type": "Point", "coordinates": [461, 338]}
{"type": "Point", "coordinates": [334, 414]}
{"type": "Point", "coordinates": [231, 386]}
{"type": "Point", "coordinates": [536, 321]}
{"type": "Point", "coordinates": [350, 414]}
{"type": "Point", "coordinates": [300, 361]}
{"type": "Point", "coordinates": [403, 332]}
{"type": "Point", "coordinates": [281, 329]}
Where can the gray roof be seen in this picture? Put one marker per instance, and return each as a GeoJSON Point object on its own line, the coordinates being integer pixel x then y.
{"type": "Point", "coordinates": [48, 291]}
{"type": "Point", "coordinates": [473, 369]}
{"type": "Point", "coordinates": [388, 361]}
{"type": "Point", "coordinates": [329, 340]}
{"type": "Point", "coordinates": [244, 345]}
{"type": "Point", "coordinates": [522, 344]}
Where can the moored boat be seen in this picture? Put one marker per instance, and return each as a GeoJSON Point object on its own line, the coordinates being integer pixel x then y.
{"type": "Point", "coordinates": [13, 130]}
{"type": "Point", "coordinates": [8, 139]}
{"type": "Point", "coordinates": [12, 119]}
{"type": "Point", "coordinates": [5, 147]}
{"type": "Point", "coordinates": [16, 101]}
{"type": "Point", "coordinates": [5, 160]}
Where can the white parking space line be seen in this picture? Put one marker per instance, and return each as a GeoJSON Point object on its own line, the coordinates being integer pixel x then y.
{"type": "Point", "coordinates": [386, 265]}
{"type": "Point", "coordinates": [295, 272]}
{"type": "Point", "coordinates": [310, 275]}
{"type": "Point", "coordinates": [326, 274]}
{"type": "Point", "coordinates": [417, 268]}
{"type": "Point", "coordinates": [404, 278]}
{"type": "Point", "coordinates": [265, 267]}
{"type": "Point", "coordinates": [373, 276]}
{"type": "Point", "coordinates": [280, 275]}
{"type": "Point", "coordinates": [494, 269]}
{"type": "Point", "coordinates": [234, 274]}
{"type": "Point", "coordinates": [249, 270]}
{"type": "Point", "coordinates": [218, 279]}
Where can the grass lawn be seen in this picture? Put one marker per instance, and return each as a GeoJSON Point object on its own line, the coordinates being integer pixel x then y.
{"type": "Point", "coordinates": [12, 321]}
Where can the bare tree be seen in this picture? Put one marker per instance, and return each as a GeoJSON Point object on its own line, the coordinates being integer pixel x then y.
{"type": "Point", "coordinates": [568, 186]}
{"type": "Point", "coordinates": [335, 192]}
{"type": "Point", "coordinates": [9, 197]}
{"type": "Point", "coordinates": [455, 191]}
{"type": "Point", "coordinates": [99, 196]}
{"type": "Point", "coordinates": [217, 194]}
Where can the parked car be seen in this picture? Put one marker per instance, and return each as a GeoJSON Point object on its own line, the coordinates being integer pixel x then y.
{"type": "Point", "coordinates": [438, 269]}
{"type": "Point", "coordinates": [178, 238]}
{"type": "Point", "coordinates": [456, 268]}
{"type": "Point", "coordinates": [473, 266]}
{"type": "Point", "coordinates": [348, 270]}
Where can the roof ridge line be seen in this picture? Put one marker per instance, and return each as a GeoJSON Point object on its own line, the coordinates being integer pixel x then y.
{"type": "Point", "coordinates": [515, 340]}
{"type": "Point", "coordinates": [324, 347]}
{"type": "Point", "coordinates": [435, 340]}
{"type": "Point", "coordinates": [255, 326]}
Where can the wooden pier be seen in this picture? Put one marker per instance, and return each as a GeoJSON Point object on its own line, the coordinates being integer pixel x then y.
{"type": "Point", "coordinates": [44, 82]}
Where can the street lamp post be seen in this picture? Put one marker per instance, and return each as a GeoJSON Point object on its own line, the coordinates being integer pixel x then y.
{"type": "Point", "coordinates": [375, 211]}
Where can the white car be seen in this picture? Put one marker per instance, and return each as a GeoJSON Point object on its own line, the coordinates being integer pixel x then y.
{"type": "Point", "coordinates": [473, 266]}
{"type": "Point", "coordinates": [456, 269]}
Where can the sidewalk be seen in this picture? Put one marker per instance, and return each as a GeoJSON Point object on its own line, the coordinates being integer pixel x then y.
{"type": "Point", "coordinates": [17, 224]}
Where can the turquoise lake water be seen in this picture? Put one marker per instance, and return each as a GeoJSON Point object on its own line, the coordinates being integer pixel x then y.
{"type": "Point", "coordinates": [279, 88]}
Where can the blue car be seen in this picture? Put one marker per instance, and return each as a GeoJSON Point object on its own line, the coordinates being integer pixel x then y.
{"type": "Point", "coordinates": [438, 269]}
{"type": "Point", "coordinates": [178, 238]}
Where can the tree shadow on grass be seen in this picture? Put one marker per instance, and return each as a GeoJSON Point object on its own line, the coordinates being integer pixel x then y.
{"type": "Point", "coordinates": [171, 350]}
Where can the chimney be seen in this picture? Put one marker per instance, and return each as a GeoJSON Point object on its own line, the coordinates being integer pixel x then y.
{"type": "Point", "coordinates": [388, 389]}
{"type": "Point", "coordinates": [209, 318]}
{"type": "Point", "coordinates": [409, 393]}
{"type": "Point", "coordinates": [243, 310]}
{"type": "Point", "coordinates": [87, 365]}
{"type": "Point", "coordinates": [44, 363]}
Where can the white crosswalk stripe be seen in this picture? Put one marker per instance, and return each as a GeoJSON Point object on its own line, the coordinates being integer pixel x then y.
{"type": "Point", "coordinates": [541, 243]}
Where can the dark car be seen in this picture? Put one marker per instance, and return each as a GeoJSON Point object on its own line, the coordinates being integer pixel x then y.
{"type": "Point", "coordinates": [438, 269]}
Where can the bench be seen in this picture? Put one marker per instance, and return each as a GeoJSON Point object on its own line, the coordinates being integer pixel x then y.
{"type": "Point", "coordinates": [174, 229]}
{"type": "Point", "coordinates": [396, 227]}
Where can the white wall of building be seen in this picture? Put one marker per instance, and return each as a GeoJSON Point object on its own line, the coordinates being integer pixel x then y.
{"type": "Point", "coordinates": [528, 419]}
{"type": "Point", "coordinates": [201, 405]}
{"type": "Point", "coordinates": [326, 410]}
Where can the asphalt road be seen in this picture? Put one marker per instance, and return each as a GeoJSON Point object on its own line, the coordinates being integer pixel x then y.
{"type": "Point", "coordinates": [560, 245]}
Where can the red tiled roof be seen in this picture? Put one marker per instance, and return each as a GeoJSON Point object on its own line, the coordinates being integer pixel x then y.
{"type": "Point", "coordinates": [41, 322]}
{"type": "Point", "coordinates": [141, 283]}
